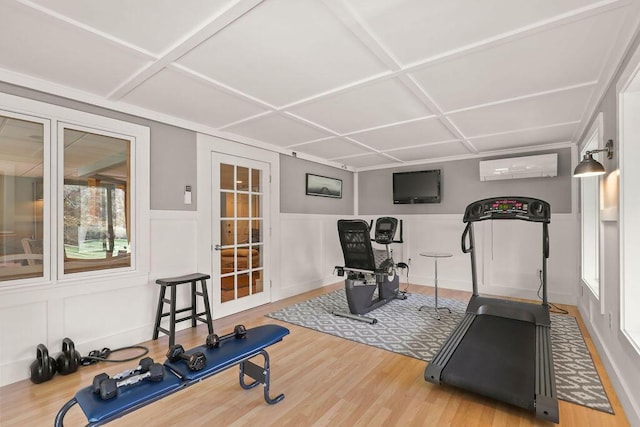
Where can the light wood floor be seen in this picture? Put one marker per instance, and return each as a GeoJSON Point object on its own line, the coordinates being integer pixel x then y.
{"type": "Point", "coordinates": [326, 380]}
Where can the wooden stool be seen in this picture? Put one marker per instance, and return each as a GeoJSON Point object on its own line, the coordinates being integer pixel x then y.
{"type": "Point", "coordinates": [173, 282]}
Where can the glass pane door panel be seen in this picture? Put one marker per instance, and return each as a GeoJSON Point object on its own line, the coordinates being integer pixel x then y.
{"type": "Point", "coordinates": [256, 206]}
{"type": "Point", "coordinates": [227, 287]}
{"type": "Point", "coordinates": [256, 281]}
{"type": "Point", "coordinates": [256, 256]}
{"type": "Point", "coordinates": [256, 231]}
{"type": "Point", "coordinates": [255, 180]}
{"type": "Point", "coordinates": [227, 177]}
{"type": "Point", "coordinates": [243, 285]}
{"type": "Point", "coordinates": [227, 205]}
{"type": "Point", "coordinates": [243, 205]}
{"type": "Point", "coordinates": [243, 232]}
{"type": "Point", "coordinates": [227, 232]}
{"type": "Point", "coordinates": [21, 198]}
{"type": "Point", "coordinates": [242, 180]}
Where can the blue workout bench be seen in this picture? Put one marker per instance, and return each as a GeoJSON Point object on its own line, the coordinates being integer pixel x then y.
{"type": "Point", "coordinates": [177, 376]}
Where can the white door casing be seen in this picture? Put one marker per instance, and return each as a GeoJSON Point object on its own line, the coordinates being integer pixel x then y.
{"type": "Point", "coordinates": [212, 152]}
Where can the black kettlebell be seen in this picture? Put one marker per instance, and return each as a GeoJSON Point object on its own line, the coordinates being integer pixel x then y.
{"type": "Point", "coordinates": [44, 367]}
{"type": "Point", "coordinates": [69, 360]}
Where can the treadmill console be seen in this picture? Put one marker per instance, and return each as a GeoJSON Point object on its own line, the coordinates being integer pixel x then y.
{"type": "Point", "coordinates": [523, 208]}
{"type": "Point", "coordinates": [385, 230]}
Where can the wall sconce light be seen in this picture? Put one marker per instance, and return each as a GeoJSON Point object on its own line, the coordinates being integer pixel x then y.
{"type": "Point", "coordinates": [590, 167]}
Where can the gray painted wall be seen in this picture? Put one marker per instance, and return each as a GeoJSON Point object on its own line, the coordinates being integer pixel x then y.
{"type": "Point", "coordinates": [622, 361]}
{"type": "Point", "coordinates": [461, 185]}
{"type": "Point", "coordinates": [173, 150]}
{"type": "Point", "coordinates": [293, 197]}
{"type": "Point", "coordinates": [173, 166]}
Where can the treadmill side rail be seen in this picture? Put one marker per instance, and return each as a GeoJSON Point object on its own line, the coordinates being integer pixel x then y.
{"type": "Point", "coordinates": [545, 395]}
{"type": "Point", "coordinates": [434, 369]}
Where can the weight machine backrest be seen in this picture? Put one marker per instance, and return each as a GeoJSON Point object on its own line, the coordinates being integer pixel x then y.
{"type": "Point", "coordinates": [355, 241]}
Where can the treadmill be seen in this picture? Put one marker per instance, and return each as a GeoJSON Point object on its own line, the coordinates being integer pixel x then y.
{"type": "Point", "coordinates": [502, 348]}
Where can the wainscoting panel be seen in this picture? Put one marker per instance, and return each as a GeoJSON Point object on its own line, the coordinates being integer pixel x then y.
{"type": "Point", "coordinates": [112, 310]}
{"type": "Point", "coordinates": [309, 251]}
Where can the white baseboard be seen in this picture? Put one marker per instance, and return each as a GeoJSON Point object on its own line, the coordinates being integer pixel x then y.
{"type": "Point", "coordinates": [18, 370]}
{"type": "Point", "coordinates": [303, 287]}
{"type": "Point", "coordinates": [458, 285]}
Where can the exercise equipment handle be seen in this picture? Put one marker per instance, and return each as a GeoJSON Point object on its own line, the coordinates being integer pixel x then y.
{"type": "Point", "coordinates": [466, 249]}
{"type": "Point", "coordinates": [545, 234]}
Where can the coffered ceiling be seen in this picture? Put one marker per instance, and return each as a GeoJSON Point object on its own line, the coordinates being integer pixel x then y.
{"type": "Point", "coordinates": [360, 83]}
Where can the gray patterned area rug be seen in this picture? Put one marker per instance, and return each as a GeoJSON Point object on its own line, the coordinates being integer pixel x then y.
{"type": "Point", "coordinates": [401, 328]}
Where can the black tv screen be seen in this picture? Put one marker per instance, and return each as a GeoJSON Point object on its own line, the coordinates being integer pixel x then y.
{"type": "Point", "coordinates": [416, 187]}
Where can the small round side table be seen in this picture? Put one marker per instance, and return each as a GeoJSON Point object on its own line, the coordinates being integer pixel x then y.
{"type": "Point", "coordinates": [435, 256]}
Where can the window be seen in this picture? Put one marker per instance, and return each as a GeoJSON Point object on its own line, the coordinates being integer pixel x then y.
{"type": "Point", "coordinates": [74, 198]}
{"type": "Point", "coordinates": [590, 218]}
{"type": "Point", "coordinates": [22, 143]}
{"type": "Point", "coordinates": [95, 208]}
{"type": "Point", "coordinates": [628, 89]}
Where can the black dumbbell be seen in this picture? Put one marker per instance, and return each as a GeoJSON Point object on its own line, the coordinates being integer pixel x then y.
{"type": "Point", "coordinates": [109, 387]}
{"type": "Point", "coordinates": [213, 340]}
{"type": "Point", "coordinates": [195, 361]}
{"type": "Point", "coordinates": [142, 367]}
{"type": "Point", "coordinates": [44, 367]}
{"type": "Point", "coordinates": [69, 359]}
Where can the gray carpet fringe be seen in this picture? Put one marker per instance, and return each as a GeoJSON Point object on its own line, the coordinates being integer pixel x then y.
{"type": "Point", "coordinates": [402, 329]}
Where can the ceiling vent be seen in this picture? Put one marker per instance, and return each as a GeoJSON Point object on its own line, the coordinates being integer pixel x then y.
{"type": "Point", "coordinates": [545, 165]}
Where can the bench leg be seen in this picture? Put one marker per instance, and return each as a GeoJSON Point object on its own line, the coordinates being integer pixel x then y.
{"type": "Point", "coordinates": [172, 318]}
{"type": "Point", "coordinates": [207, 308]}
{"type": "Point", "coordinates": [261, 375]}
{"type": "Point", "coordinates": [58, 422]}
{"type": "Point", "coordinates": [163, 289]}
{"type": "Point", "coordinates": [194, 304]}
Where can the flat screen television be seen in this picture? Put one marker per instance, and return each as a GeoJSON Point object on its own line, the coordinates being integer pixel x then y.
{"type": "Point", "coordinates": [416, 187]}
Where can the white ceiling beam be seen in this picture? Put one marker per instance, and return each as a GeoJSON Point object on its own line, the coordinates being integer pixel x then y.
{"type": "Point", "coordinates": [523, 97]}
{"type": "Point", "coordinates": [221, 86]}
{"type": "Point", "coordinates": [358, 27]}
{"type": "Point", "coordinates": [115, 40]}
{"type": "Point", "coordinates": [371, 42]}
{"type": "Point", "coordinates": [505, 152]}
{"type": "Point", "coordinates": [220, 21]}
{"type": "Point", "coordinates": [509, 132]}
{"type": "Point", "coordinates": [527, 30]}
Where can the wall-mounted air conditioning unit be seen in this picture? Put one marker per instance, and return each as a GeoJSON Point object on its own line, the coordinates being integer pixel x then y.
{"type": "Point", "coordinates": [544, 165]}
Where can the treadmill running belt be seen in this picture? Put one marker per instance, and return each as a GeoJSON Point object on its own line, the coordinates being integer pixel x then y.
{"type": "Point", "coordinates": [496, 358]}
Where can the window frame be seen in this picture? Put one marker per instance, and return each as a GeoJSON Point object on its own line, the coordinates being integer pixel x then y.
{"type": "Point", "coordinates": [46, 210]}
{"type": "Point", "coordinates": [60, 189]}
{"type": "Point", "coordinates": [58, 117]}
{"type": "Point", "coordinates": [627, 104]}
{"type": "Point", "coordinates": [595, 289]}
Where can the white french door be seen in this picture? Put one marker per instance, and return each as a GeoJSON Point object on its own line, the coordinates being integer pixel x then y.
{"type": "Point", "coordinates": [240, 227]}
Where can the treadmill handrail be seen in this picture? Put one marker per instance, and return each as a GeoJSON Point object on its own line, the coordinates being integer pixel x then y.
{"type": "Point", "coordinates": [466, 249]}
{"type": "Point", "coordinates": [545, 244]}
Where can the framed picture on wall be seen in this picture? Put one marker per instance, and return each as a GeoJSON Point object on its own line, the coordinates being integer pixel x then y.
{"type": "Point", "coordinates": [323, 186]}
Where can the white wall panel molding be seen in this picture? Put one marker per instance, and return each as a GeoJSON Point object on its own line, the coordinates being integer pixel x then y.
{"type": "Point", "coordinates": [310, 249]}
{"type": "Point", "coordinates": [112, 311]}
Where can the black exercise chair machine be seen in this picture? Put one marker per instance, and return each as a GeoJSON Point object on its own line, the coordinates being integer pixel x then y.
{"type": "Point", "coordinates": [367, 272]}
{"type": "Point", "coordinates": [502, 348]}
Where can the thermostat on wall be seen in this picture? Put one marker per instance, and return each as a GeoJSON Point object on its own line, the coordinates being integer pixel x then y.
{"type": "Point", "coordinates": [187, 195]}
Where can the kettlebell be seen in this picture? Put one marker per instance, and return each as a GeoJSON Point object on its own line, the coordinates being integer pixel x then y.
{"type": "Point", "coordinates": [44, 367]}
{"type": "Point", "coordinates": [69, 360]}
